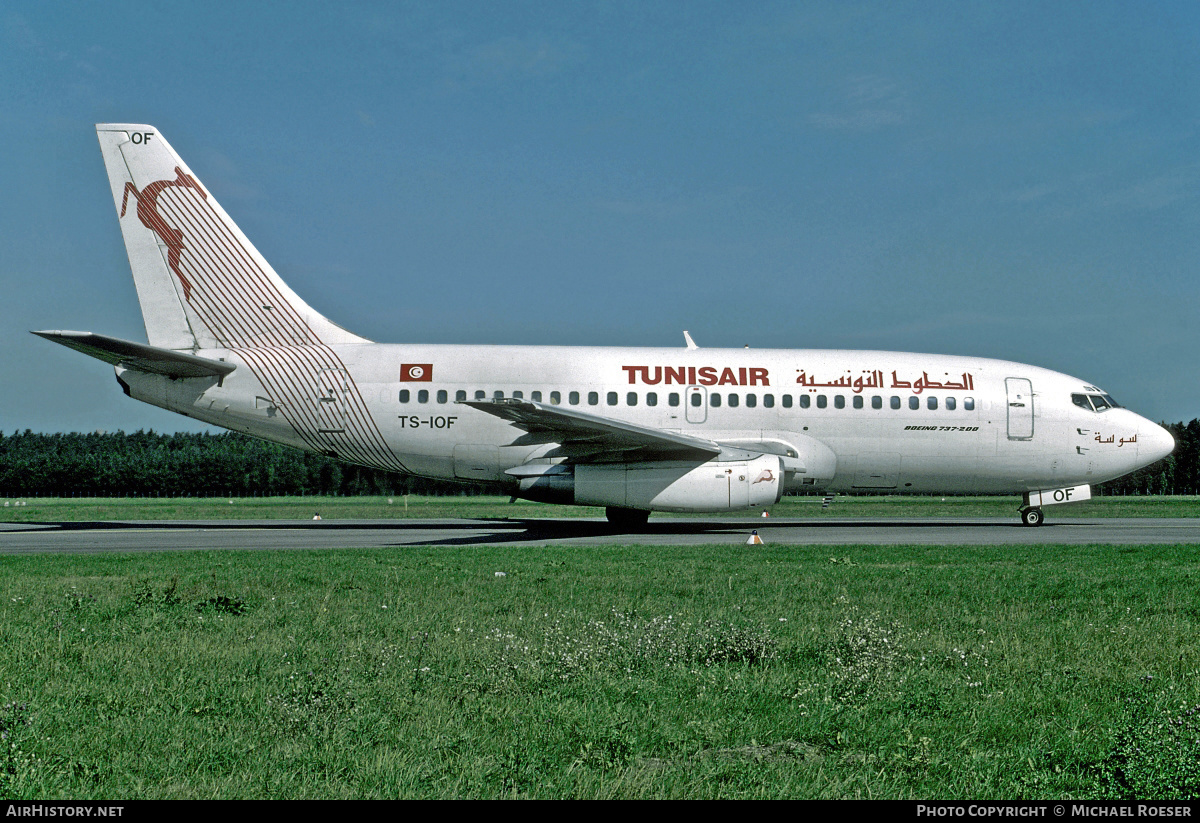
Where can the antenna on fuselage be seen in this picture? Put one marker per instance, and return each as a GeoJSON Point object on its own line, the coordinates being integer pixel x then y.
{"type": "Point", "coordinates": [691, 344]}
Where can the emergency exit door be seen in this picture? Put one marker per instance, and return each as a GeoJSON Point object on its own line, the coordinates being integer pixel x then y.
{"type": "Point", "coordinates": [697, 404]}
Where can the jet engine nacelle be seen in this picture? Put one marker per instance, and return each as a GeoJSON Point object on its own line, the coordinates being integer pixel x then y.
{"type": "Point", "coordinates": [716, 486]}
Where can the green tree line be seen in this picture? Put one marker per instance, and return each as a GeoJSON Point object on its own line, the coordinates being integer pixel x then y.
{"type": "Point", "coordinates": [145, 464]}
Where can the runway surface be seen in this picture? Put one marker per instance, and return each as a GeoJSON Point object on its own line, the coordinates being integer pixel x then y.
{"type": "Point", "coordinates": [245, 535]}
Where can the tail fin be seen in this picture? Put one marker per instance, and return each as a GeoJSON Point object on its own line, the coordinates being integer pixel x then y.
{"type": "Point", "coordinates": [200, 282]}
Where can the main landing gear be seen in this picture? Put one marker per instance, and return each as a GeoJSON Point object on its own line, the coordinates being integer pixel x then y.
{"type": "Point", "coordinates": [626, 519]}
{"type": "Point", "coordinates": [1032, 516]}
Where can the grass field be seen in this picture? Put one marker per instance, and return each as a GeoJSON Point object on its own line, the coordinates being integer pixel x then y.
{"type": "Point", "coordinates": [291, 508]}
{"type": "Point", "coordinates": [885, 672]}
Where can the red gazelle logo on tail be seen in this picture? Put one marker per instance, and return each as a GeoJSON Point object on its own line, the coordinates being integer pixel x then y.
{"type": "Point", "coordinates": [147, 212]}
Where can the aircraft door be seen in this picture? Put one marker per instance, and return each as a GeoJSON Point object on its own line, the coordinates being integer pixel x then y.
{"type": "Point", "coordinates": [696, 400]}
{"type": "Point", "coordinates": [1020, 408]}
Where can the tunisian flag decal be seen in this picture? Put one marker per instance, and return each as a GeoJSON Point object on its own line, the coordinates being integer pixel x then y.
{"type": "Point", "coordinates": [416, 372]}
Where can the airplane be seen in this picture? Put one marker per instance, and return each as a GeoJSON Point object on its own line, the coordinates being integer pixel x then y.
{"type": "Point", "coordinates": [633, 430]}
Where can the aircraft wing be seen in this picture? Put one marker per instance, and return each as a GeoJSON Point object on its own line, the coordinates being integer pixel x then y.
{"type": "Point", "coordinates": [583, 433]}
{"type": "Point", "coordinates": [139, 356]}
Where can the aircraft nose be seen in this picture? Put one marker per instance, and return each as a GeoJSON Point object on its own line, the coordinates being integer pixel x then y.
{"type": "Point", "coordinates": [1154, 442]}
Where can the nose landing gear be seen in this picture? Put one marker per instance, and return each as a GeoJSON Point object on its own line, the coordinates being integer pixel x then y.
{"type": "Point", "coordinates": [1033, 501]}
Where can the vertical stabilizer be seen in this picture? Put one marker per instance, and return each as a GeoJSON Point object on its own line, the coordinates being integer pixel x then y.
{"type": "Point", "coordinates": [200, 282]}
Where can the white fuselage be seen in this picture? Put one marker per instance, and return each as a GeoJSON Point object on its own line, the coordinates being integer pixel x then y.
{"type": "Point", "coordinates": [851, 420]}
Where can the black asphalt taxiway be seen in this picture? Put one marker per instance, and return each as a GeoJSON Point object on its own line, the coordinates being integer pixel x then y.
{"type": "Point", "coordinates": [246, 535]}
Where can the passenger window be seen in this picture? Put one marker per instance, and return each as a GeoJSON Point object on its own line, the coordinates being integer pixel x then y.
{"type": "Point", "coordinates": [787, 401]}
{"type": "Point", "coordinates": [651, 399]}
{"type": "Point", "coordinates": [442, 396]}
{"type": "Point", "coordinates": [769, 401]}
{"type": "Point", "coordinates": [969, 403]}
{"type": "Point", "coordinates": [751, 401]}
{"type": "Point", "coordinates": [839, 401]}
{"type": "Point", "coordinates": [673, 399]}
{"type": "Point", "coordinates": [480, 395]}
{"type": "Point", "coordinates": [876, 402]}
{"type": "Point", "coordinates": [822, 401]}
{"type": "Point", "coordinates": [858, 401]}
{"type": "Point", "coordinates": [498, 395]}
{"type": "Point", "coordinates": [519, 395]}
{"type": "Point", "coordinates": [951, 404]}
{"type": "Point", "coordinates": [805, 401]}
{"type": "Point", "coordinates": [631, 398]}
{"type": "Point", "coordinates": [733, 401]}
{"type": "Point", "coordinates": [573, 398]}
{"type": "Point", "coordinates": [460, 395]}
{"type": "Point", "coordinates": [696, 399]}
{"type": "Point", "coordinates": [535, 396]}
{"type": "Point", "coordinates": [914, 402]}
{"type": "Point", "coordinates": [895, 402]}
{"type": "Point", "coordinates": [611, 397]}
{"type": "Point", "coordinates": [423, 396]}
{"type": "Point", "coordinates": [593, 398]}
{"type": "Point", "coordinates": [714, 400]}
{"type": "Point", "coordinates": [555, 398]}
{"type": "Point", "coordinates": [404, 395]}
{"type": "Point", "coordinates": [931, 403]}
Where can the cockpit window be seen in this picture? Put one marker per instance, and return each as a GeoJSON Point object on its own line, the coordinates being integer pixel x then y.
{"type": "Point", "coordinates": [1094, 402]}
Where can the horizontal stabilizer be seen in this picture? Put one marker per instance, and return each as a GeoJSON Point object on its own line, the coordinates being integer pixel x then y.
{"type": "Point", "coordinates": [139, 356]}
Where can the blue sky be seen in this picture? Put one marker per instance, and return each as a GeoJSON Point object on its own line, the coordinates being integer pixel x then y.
{"type": "Point", "coordinates": [1012, 180]}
